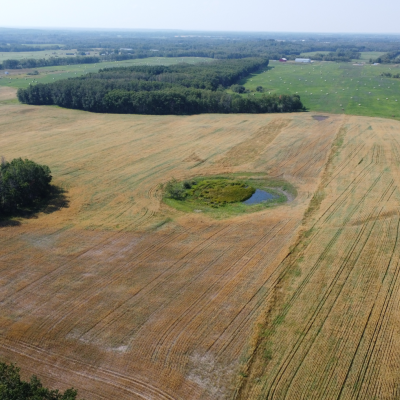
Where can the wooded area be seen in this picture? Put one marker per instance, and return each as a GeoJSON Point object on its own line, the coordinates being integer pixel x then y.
{"type": "Point", "coordinates": [178, 89]}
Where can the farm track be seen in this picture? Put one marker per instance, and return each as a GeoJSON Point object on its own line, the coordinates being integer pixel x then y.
{"type": "Point", "coordinates": [123, 297]}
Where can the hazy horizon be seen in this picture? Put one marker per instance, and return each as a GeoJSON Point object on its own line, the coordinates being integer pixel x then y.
{"type": "Point", "coordinates": [345, 17]}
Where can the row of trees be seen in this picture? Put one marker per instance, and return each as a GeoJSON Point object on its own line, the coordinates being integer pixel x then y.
{"type": "Point", "coordinates": [341, 55]}
{"type": "Point", "coordinates": [178, 89]}
{"type": "Point", "coordinates": [8, 48]}
{"type": "Point", "coordinates": [12, 387]}
{"type": "Point", "coordinates": [49, 62]}
{"type": "Point", "coordinates": [23, 183]}
{"type": "Point", "coordinates": [387, 58]}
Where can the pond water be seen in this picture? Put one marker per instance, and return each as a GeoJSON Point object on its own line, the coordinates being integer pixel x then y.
{"type": "Point", "coordinates": [258, 197]}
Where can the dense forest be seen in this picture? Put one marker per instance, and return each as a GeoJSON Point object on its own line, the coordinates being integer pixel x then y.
{"type": "Point", "coordinates": [177, 89]}
{"type": "Point", "coordinates": [23, 184]}
{"type": "Point", "coordinates": [12, 387]}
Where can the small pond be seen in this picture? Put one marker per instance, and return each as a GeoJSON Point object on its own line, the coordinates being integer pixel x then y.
{"type": "Point", "coordinates": [258, 197]}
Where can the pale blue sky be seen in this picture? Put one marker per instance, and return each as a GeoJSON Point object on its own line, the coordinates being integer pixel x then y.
{"type": "Point", "coordinates": [225, 15]}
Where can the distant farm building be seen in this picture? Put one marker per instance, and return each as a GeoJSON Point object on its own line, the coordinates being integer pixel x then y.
{"type": "Point", "coordinates": [283, 60]}
{"type": "Point", "coordinates": [303, 60]}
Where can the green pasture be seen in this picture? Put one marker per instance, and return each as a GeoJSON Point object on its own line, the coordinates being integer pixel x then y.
{"type": "Point", "coordinates": [333, 87]}
{"type": "Point", "coordinates": [365, 56]}
{"type": "Point", "coordinates": [20, 79]}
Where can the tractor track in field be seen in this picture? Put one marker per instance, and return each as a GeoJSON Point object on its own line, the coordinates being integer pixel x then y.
{"type": "Point", "coordinates": [121, 296]}
{"type": "Point", "coordinates": [360, 222]}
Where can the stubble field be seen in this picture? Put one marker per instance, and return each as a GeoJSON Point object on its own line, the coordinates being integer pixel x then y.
{"type": "Point", "coordinates": [113, 292]}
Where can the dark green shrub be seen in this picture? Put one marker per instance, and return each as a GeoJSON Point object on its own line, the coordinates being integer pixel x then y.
{"type": "Point", "coordinates": [238, 88]}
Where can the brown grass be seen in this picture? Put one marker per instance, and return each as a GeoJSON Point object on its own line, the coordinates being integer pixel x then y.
{"type": "Point", "coordinates": [124, 298]}
{"type": "Point", "coordinates": [7, 93]}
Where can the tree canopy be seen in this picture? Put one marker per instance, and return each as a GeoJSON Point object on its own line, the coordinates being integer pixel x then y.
{"type": "Point", "coordinates": [12, 387]}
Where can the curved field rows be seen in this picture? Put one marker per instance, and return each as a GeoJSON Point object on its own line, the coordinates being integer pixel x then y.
{"type": "Point", "coordinates": [333, 331]}
{"type": "Point", "coordinates": [116, 294]}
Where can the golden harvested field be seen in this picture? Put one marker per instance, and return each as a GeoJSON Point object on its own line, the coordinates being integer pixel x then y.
{"type": "Point", "coordinates": [122, 297]}
{"type": "Point", "coordinates": [7, 93]}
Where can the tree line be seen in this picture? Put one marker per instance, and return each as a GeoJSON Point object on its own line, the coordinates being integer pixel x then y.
{"type": "Point", "coordinates": [340, 55]}
{"type": "Point", "coordinates": [23, 184]}
{"type": "Point", "coordinates": [11, 48]}
{"type": "Point", "coordinates": [177, 89]}
{"type": "Point", "coordinates": [387, 58]}
{"type": "Point", "coordinates": [48, 62]}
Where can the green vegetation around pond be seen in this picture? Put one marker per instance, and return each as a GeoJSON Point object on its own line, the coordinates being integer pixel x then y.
{"type": "Point", "coordinates": [224, 196]}
{"type": "Point", "coordinates": [214, 192]}
{"type": "Point", "coordinates": [341, 88]}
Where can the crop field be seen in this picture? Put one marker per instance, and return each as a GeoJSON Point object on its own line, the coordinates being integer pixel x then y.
{"type": "Point", "coordinates": [18, 78]}
{"type": "Point", "coordinates": [113, 292]}
{"type": "Point", "coordinates": [332, 87]}
{"type": "Point", "coordinates": [333, 327]}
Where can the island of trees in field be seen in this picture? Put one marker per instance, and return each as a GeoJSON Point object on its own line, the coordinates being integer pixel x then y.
{"type": "Point", "coordinates": [160, 90]}
{"type": "Point", "coordinates": [23, 184]}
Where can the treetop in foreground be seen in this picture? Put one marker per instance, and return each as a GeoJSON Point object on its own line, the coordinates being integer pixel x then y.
{"type": "Point", "coordinates": [13, 388]}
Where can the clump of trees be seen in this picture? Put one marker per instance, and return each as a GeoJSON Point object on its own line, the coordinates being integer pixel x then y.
{"type": "Point", "coordinates": [160, 90]}
{"type": "Point", "coordinates": [238, 89]}
{"type": "Point", "coordinates": [23, 184]}
{"type": "Point", "coordinates": [12, 387]}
